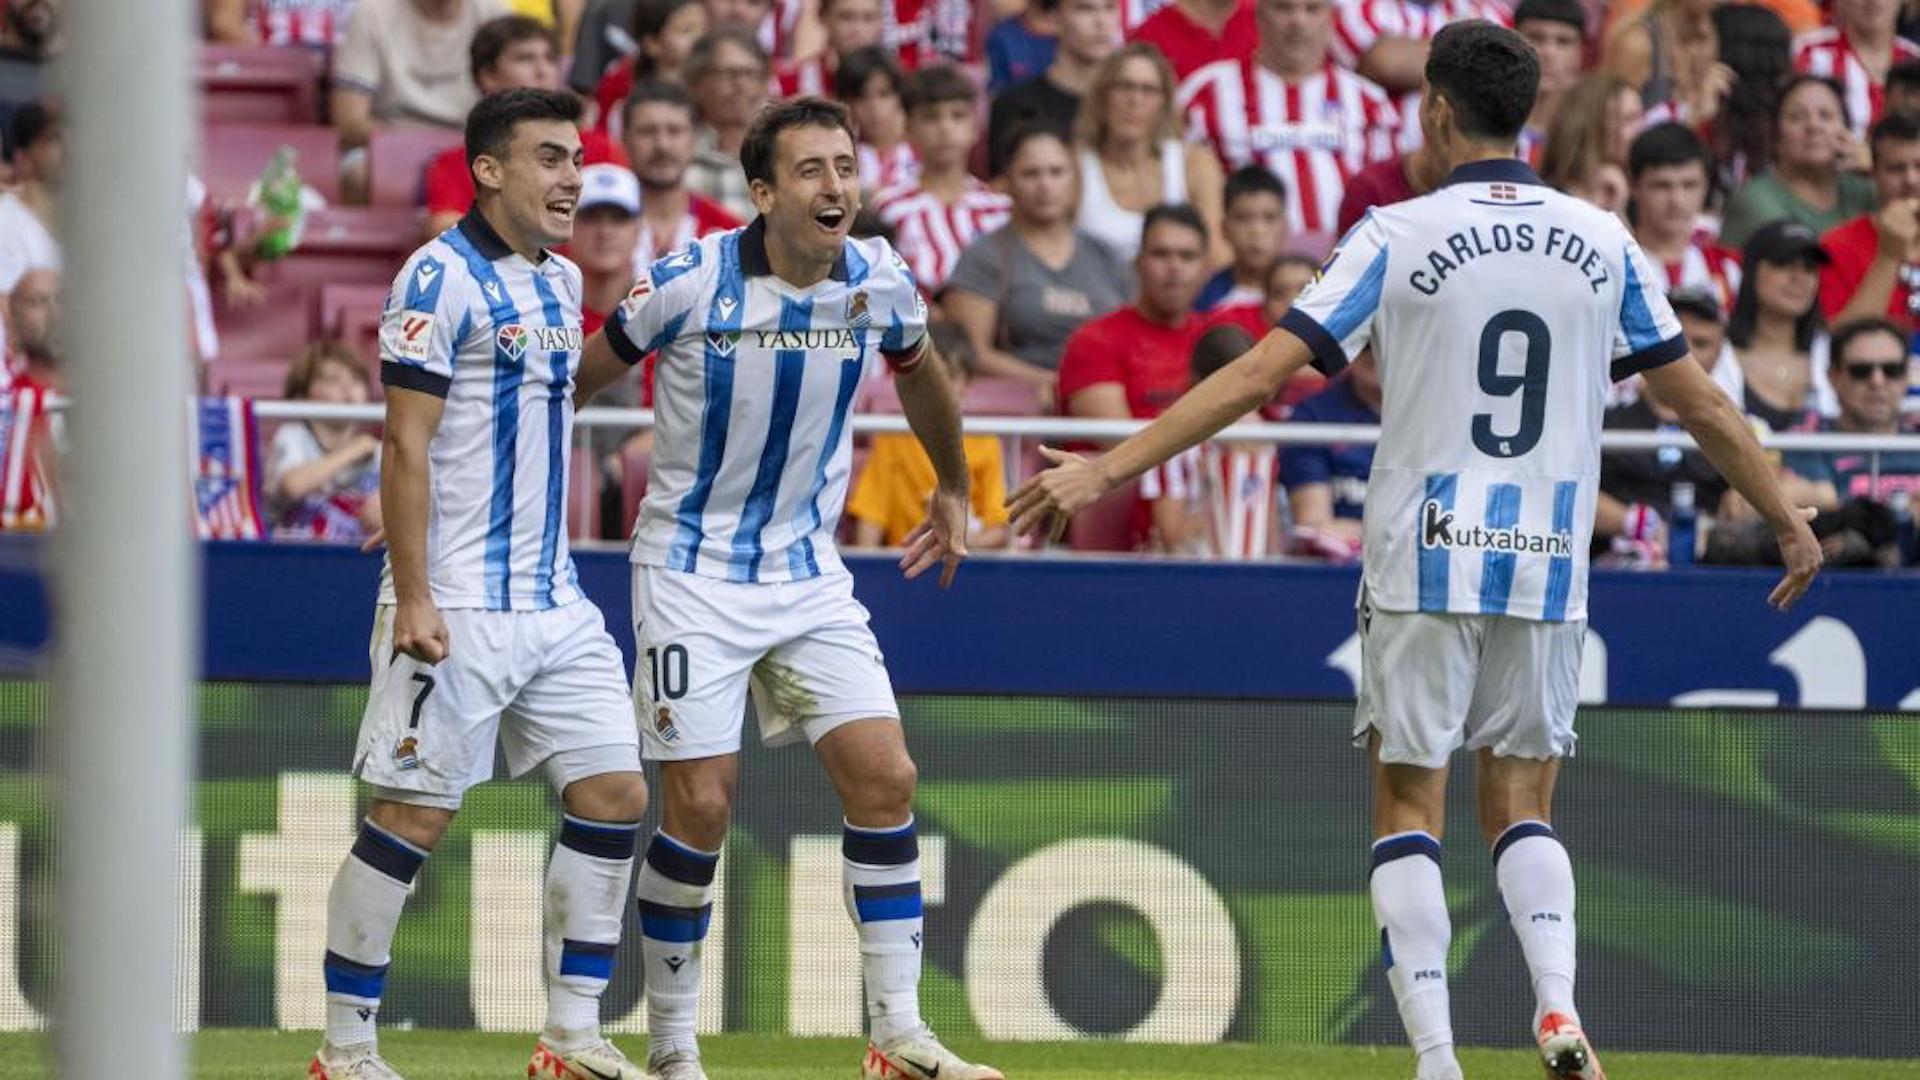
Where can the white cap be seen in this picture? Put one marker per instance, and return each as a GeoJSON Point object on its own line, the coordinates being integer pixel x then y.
{"type": "Point", "coordinates": [609, 185]}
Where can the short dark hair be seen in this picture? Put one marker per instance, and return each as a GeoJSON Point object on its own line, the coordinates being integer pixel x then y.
{"type": "Point", "coordinates": [937, 84]}
{"type": "Point", "coordinates": [1173, 214]}
{"type": "Point", "coordinates": [1665, 145]}
{"type": "Point", "coordinates": [490, 125]}
{"type": "Point", "coordinates": [656, 92]}
{"type": "Point", "coordinates": [1017, 135]}
{"type": "Point", "coordinates": [1906, 74]}
{"type": "Point", "coordinates": [650, 17]}
{"type": "Point", "coordinates": [702, 57]}
{"type": "Point", "coordinates": [495, 36]}
{"type": "Point", "coordinates": [1845, 334]}
{"type": "Point", "coordinates": [1894, 127]}
{"type": "Point", "coordinates": [31, 122]}
{"type": "Point", "coordinates": [1489, 74]}
{"type": "Point", "coordinates": [858, 68]}
{"type": "Point", "coordinates": [1216, 349]}
{"type": "Point", "coordinates": [1252, 180]}
{"type": "Point", "coordinates": [763, 135]}
{"type": "Point", "coordinates": [1569, 12]}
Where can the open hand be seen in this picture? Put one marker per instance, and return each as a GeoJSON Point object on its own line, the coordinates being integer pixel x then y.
{"type": "Point", "coordinates": [941, 539]}
{"type": "Point", "coordinates": [1049, 498]}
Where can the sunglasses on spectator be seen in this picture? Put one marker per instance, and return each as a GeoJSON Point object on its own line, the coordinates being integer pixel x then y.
{"type": "Point", "coordinates": [1892, 371]}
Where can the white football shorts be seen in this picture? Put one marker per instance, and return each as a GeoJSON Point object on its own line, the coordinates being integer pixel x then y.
{"type": "Point", "coordinates": [550, 684]}
{"type": "Point", "coordinates": [1431, 683]}
{"type": "Point", "coordinates": [803, 649]}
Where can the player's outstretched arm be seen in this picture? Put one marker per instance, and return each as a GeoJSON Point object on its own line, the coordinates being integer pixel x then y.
{"type": "Point", "coordinates": [1049, 498]}
{"type": "Point", "coordinates": [933, 411]}
{"type": "Point", "coordinates": [599, 367]}
{"type": "Point", "coordinates": [412, 418]}
{"type": "Point", "coordinates": [1723, 434]}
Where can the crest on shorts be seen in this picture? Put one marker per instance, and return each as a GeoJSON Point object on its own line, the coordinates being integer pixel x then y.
{"type": "Point", "coordinates": [857, 314]}
{"type": "Point", "coordinates": [406, 753]}
{"type": "Point", "coordinates": [663, 723]}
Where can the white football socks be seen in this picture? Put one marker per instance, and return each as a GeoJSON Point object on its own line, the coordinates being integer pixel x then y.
{"type": "Point", "coordinates": [1536, 884]}
{"type": "Point", "coordinates": [363, 908]}
{"type": "Point", "coordinates": [1410, 907]}
{"type": "Point", "coordinates": [882, 889]}
{"type": "Point", "coordinates": [586, 897]}
{"type": "Point", "coordinates": [675, 894]}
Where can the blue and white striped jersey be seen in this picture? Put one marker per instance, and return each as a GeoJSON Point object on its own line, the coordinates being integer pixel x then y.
{"type": "Point", "coordinates": [1500, 311]}
{"type": "Point", "coordinates": [499, 338]}
{"type": "Point", "coordinates": [751, 393]}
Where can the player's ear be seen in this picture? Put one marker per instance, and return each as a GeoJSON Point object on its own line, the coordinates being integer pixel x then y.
{"type": "Point", "coordinates": [489, 172]}
{"type": "Point", "coordinates": [761, 192]}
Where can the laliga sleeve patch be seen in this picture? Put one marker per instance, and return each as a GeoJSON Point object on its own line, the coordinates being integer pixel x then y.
{"type": "Point", "coordinates": [411, 336]}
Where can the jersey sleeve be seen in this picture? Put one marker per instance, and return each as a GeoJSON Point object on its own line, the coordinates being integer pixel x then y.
{"type": "Point", "coordinates": [425, 318]}
{"type": "Point", "coordinates": [901, 313]}
{"type": "Point", "coordinates": [1334, 314]}
{"type": "Point", "coordinates": [658, 306]}
{"type": "Point", "coordinates": [1646, 334]}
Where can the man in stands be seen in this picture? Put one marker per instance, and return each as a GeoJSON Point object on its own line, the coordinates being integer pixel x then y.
{"type": "Point", "coordinates": [1557, 30]}
{"type": "Point", "coordinates": [727, 72]}
{"type": "Point", "coordinates": [1292, 109]}
{"type": "Point", "coordinates": [1870, 377]}
{"type": "Point", "coordinates": [606, 229]}
{"type": "Point", "coordinates": [510, 52]}
{"type": "Point", "coordinates": [1386, 41]}
{"type": "Point", "coordinates": [1669, 170]}
{"type": "Point", "coordinates": [1255, 224]}
{"type": "Point", "coordinates": [1134, 362]}
{"type": "Point", "coordinates": [658, 132]}
{"type": "Point", "coordinates": [936, 218]}
{"type": "Point", "coordinates": [850, 24]}
{"type": "Point", "coordinates": [1875, 256]}
{"type": "Point", "coordinates": [402, 62]}
{"type": "Point", "coordinates": [1195, 33]}
{"type": "Point", "coordinates": [1086, 31]}
{"type": "Point", "coordinates": [33, 310]}
{"type": "Point", "coordinates": [1856, 51]}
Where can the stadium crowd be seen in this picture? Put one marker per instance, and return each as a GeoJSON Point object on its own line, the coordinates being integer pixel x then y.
{"type": "Point", "coordinates": [1103, 200]}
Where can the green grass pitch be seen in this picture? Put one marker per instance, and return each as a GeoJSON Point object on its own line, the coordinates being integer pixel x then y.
{"type": "Point", "coordinates": [448, 1055]}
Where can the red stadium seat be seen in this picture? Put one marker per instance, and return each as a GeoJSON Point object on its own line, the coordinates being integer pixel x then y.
{"type": "Point", "coordinates": [351, 313]}
{"type": "Point", "coordinates": [236, 154]}
{"type": "Point", "coordinates": [354, 245]}
{"type": "Point", "coordinates": [277, 328]}
{"type": "Point", "coordinates": [252, 378]}
{"type": "Point", "coordinates": [1000, 397]}
{"type": "Point", "coordinates": [397, 159]}
{"type": "Point", "coordinates": [258, 84]}
{"type": "Point", "coordinates": [1107, 525]}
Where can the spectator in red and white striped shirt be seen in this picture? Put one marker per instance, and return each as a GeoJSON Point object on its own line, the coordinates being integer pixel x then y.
{"type": "Point", "coordinates": [1857, 51]}
{"type": "Point", "coordinates": [851, 24]}
{"type": "Point", "coordinates": [934, 219]}
{"type": "Point", "coordinates": [316, 24]}
{"type": "Point", "coordinates": [1292, 109]}
{"type": "Point", "coordinates": [1668, 173]}
{"type": "Point", "coordinates": [1386, 41]}
{"type": "Point", "coordinates": [869, 82]}
{"type": "Point", "coordinates": [1195, 33]}
{"type": "Point", "coordinates": [1135, 13]}
{"type": "Point", "coordinates": [658, 134]}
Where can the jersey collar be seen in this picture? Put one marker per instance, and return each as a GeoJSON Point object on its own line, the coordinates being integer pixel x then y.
{"type": "Point", "coordinates": [753, 253]}
{"type": "Point", "coordinates": [1493, 171]}
{"type": "Point", "coordinates": [485, 240]}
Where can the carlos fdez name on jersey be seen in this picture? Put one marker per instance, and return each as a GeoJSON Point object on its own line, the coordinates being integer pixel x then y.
{"type": "Point", "coordinates": [1520, 238]}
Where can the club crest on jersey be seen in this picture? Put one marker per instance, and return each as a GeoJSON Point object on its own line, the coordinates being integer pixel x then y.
{"type": "Point", "coordinates": [512, 341]}
{"type": "Point", "coordinates": [406, 753]}
{"type": "Point", "coordinates": [857, 314]}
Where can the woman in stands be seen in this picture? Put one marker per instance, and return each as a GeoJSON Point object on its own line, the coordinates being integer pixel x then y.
{"type": "Point", "coordinates": [1127, 139]}
{"type": "Point", "coordinates": [323, 476]}
{"type": "Point", "coordinates": [1808, 181]}
{"type": "Point", "coordinates": [1586, 151]}
{"type": "Point", "coordinates": [663, 32]}
{"type": "Point", "coordinates": [1021, 291]}
{"type": "Point", "coordinates": [1776, 328]}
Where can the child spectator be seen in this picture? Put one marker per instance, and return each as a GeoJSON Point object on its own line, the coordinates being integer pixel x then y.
{"type": "Point", "coordinates": [1219, 498]}
{"type": "Point", "coordinates": [870, 83]}
{"type": "Point", "coordinates": [851, 25]}
{"type": "Point", "coordinates": [1020, 47]}
{"type": "Point", "coordinates": [323, 476]}
{"type": "Point", "coordinates": [663, 35]}
{"type": "Point", "coordinates": [935, 219]}
{"type": "Point", "coordinates": [1088, 31]}
{"type": "Point", "coordinates": [1327, 484]}
{"type": "Point", "coordinates": [1669, 174]}
{"type": "Point", "coordinates": [890, 498]}
{"type": "Point", "coordinates": [1255, 225]}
